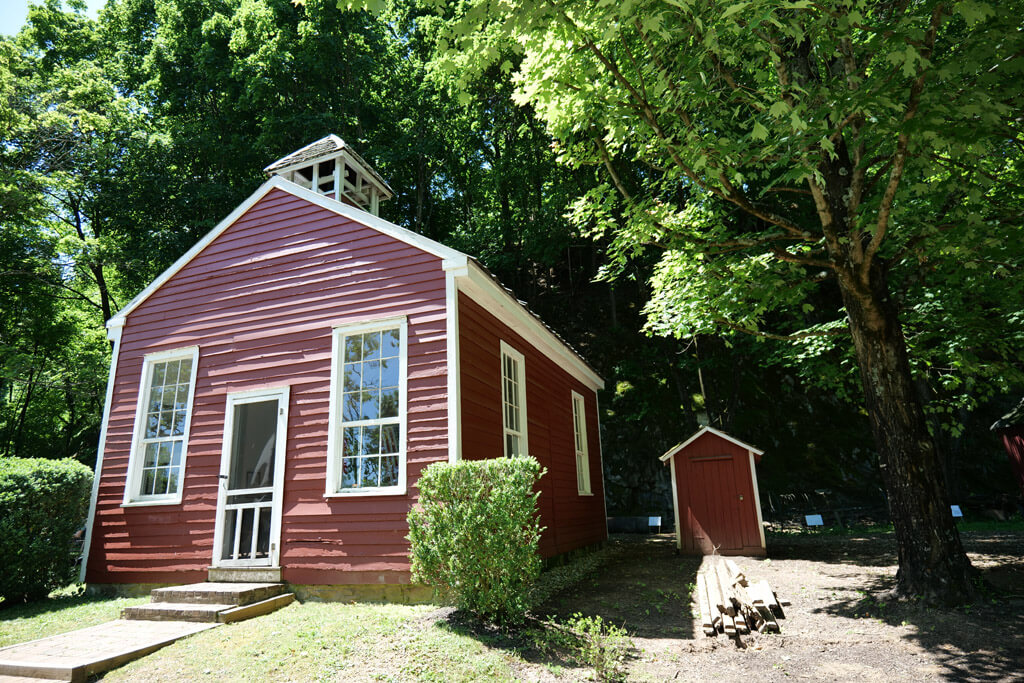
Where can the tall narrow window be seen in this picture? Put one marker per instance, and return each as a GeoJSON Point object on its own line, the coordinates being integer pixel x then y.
{"type": "Point", "coordinates": [579, 430]}
{"type": "Point", "coordinates": [163, 414]}
{"type": "Point", "coordinates": [368, 420]}
{"type": "Point", "coordinates": [513, 401]}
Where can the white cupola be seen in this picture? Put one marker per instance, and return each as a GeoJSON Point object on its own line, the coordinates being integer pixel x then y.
{"type": "Point", "coordinates": [331, 168]}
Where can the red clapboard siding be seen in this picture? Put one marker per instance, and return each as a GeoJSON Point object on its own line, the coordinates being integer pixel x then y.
{"type": "Point", "coordinates": [1013, 440]}
{"type": "Point", "coordinates": [712, 474]}
{"type": "Point", "coordinates": [572, 520]}
{"type": "Point", "coordinates": [260, 302]}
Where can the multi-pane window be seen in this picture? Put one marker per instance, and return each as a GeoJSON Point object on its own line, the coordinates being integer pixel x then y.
{"type": "Point", "coordinates": [371, 421]}
{"type": "Point", "coordinates": [513, 401]}
{"type": "Point", "coordinates": [579, 430]}
{"type": "Point", "coordinates": [165, 404]}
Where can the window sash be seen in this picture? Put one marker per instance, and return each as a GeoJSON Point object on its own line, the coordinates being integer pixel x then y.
{"type": "Point", "coordinates": [162, 418]}
{"type": "Point", "coordinates": [579, 428]}
{"type": "Point", "coordinates": [513, 402]}
{"type": "Point", "coordinates": [368, 420]}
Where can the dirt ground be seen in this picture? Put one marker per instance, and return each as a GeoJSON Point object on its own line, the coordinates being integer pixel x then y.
{"type": "Point", "coordinates": [835, 629]}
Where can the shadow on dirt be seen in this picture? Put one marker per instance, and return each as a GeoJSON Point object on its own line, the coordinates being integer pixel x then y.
{"type": "Point", "coordinates": [983, 641]}
{"type": "Point", "coordinates": [644, 587]}
{"type": "Point", "coordinates": [871, 550]}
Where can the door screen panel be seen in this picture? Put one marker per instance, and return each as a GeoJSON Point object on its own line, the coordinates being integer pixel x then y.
{"type": "Point", "coordinates": [249, 494]}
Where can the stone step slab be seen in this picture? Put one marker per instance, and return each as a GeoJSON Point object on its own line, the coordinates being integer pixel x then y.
{"type": "Point", "coordinates": [176, 611]}
{"type": "Point", "coordinates": [218, 593]}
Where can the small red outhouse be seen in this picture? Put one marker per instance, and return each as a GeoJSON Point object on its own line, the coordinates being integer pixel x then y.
{"type": "Point", "coordinates": [714, 491]}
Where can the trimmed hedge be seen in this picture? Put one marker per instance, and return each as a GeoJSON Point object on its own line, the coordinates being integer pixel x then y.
{"type": "Point", "coordinates": [42, 504]}
{"type": "Point", "coordinates": [475, 534]}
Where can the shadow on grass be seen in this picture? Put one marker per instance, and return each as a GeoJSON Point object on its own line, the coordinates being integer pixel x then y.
{"type": "Point", "coordinates": [639, 584]}
{"type": "Point", "coordinates": [53, 603]}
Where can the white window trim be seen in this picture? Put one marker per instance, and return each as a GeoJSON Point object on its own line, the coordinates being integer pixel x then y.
{"type": "Point", "coordinates": [134, 477]}
{"type": "Point", "coordinates": [507, 350]}
{"type": "Point", "coordinates": [335, 423]}
{"type": "Point", "coordinates": [582, 456]}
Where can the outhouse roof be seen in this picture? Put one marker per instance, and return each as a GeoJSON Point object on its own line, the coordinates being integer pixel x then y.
{"type": "Point", "coordinates": [678, 447]}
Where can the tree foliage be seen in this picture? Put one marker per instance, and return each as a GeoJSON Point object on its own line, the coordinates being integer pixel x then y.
{"type": "Point", "coordinates": [823, 170]}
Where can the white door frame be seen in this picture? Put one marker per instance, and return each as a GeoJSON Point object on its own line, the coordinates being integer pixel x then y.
{"type": "Point", "coordinates": [281, 394]}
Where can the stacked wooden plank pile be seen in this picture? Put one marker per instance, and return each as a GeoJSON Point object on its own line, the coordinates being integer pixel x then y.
{"type": "Point", "coordinates": [732, 605]}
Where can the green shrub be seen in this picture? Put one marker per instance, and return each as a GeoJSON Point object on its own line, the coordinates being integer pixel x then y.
{"type": "Point", "coordinates": [475, 534]}
{"type": "Point", "coordinates": [42, 504]}
{"type": "Point", "coordinates": [602, 646]}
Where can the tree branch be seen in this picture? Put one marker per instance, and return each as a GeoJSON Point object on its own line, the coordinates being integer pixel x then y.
{"type": "Point", "coordinates": [900, 157]}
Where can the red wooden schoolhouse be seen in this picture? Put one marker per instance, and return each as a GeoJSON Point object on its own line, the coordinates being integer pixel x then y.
{"type": "Point", "coordinates": [274, 394]}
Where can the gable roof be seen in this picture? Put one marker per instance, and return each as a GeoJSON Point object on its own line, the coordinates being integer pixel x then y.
{"type": "Point", "coordinates": [678, 447]}
{"type": "Point", "coordinates": [474, 279]}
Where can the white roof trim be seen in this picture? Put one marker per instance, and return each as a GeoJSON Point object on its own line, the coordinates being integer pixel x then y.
{"type": "Point", "coordinates": [353, 213]}
{"type": "Point", "coordinates": [675, 449]}
{"type": "Point", "coordinates": [499, 302]}
{"type": "Point", "coordinates": [475, 281]}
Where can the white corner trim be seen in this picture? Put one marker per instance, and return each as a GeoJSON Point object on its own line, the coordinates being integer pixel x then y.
{"type": "Point", "coordinates": [678, 447]}
{"type": "Point", "coordinates": [757, 498]}
{"type": "Point", "coordinates": [114, 334]}
{"type": "Point", "coordinates": [675, 505]}
{"type": "Point", "coordinates": [600, 453]}
{"type": "Point", "coordinates": [451, 287]}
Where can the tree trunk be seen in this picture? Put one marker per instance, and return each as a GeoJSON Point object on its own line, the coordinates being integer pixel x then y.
{"type": "Point", "coordinates": [932, 563]}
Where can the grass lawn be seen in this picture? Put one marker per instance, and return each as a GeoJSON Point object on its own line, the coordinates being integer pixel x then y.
{"type": "Point", "coordinates": [65, 610]}
{"type": "Point", "coordinates": [329, 641]}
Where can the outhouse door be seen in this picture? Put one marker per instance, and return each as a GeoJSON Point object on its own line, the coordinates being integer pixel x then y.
{"type": "Point", "coordinates": [248, 528]}
{"type": "Point", "coordinates": [722, 505]}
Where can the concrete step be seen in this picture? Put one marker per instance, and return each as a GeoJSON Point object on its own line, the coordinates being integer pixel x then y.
{"type": "Point", "coordinates": [212, 593]}
{"type": "Point", "coordinates": [176, 611]}
{"type": "Point", "coordinates": [244, 574]}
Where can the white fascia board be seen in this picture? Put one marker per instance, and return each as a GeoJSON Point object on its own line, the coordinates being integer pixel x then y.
{"type": "Point", "coordinates": [114, 334]}
{"type": "Point", "coordinates": [352, 213]}
{"type": "Point", "coordinates": [482, 288]}
{"type": "Point", "coordinates": [745, 446]}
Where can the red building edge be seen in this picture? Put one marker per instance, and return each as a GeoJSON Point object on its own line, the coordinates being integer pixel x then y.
{"type": "Point", "coordinates": [259, 297]}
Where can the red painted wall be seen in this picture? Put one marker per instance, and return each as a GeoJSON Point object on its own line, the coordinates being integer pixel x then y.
{"type": "Point", "coordinates": [260, 301]}
{"type": "Point", "coordinates": [711, 474]}
{"type": "Point", "coordinates": [572, 520]}
{"type": "Point", "coordinates": [1013, 440]}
